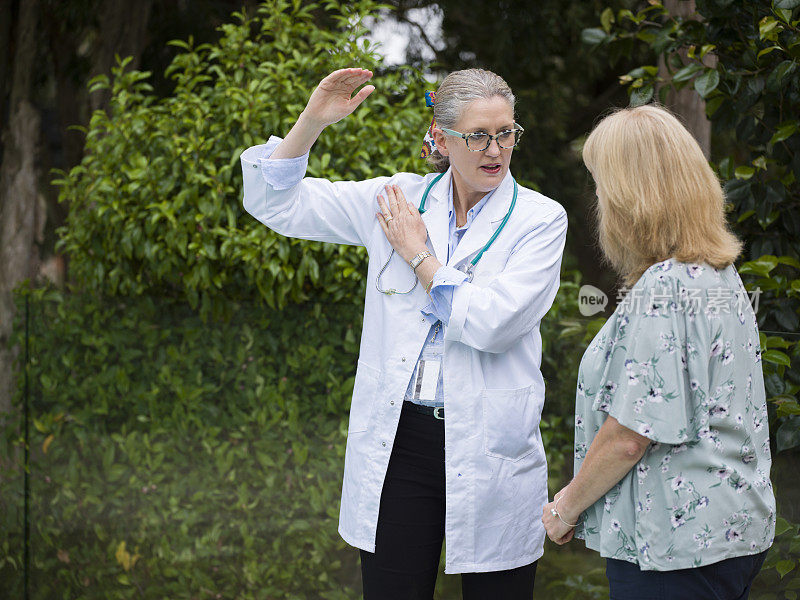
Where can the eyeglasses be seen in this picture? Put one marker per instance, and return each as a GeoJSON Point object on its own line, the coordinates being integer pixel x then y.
{"type": "Point", "coordinates": [479, 141]}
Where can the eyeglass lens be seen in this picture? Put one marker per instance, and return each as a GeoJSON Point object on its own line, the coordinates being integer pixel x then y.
{"type": "Point", "coordinates": [505, 139]}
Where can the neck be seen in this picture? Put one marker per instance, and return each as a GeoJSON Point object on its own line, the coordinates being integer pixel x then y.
{"type": "Point", "coordinates": [463, 200]}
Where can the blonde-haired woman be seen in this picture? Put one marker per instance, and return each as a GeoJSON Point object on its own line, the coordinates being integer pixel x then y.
{"type": "Point", "coordinates": [672, 452]}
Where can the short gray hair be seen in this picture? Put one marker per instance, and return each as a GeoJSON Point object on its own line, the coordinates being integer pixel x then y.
{"type": "Point", "coordinates": [457, 90]}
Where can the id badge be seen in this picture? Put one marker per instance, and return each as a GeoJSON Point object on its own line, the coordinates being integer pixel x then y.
{"type": "Point", "coordinates": [427, 378]}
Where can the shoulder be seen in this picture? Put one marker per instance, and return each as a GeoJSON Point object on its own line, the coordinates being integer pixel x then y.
{"type": "Point", "coordinates": [405, 178]}
{"type": "Point", "coordinates": [538, 203]}
{"type": "Point", "coordinates": [539, 209]}
{"type": "Point", "coordinates": [682, 275]}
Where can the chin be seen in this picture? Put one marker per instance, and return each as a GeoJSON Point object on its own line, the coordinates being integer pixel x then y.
{"type": "Point", "coordinates": [491, 182]}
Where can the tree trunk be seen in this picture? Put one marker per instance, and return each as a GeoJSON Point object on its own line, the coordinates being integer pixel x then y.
{"type": "Point", "coordinates": [687, 103]}
{"type": "Point", "coordinates": [18, 188]}
{"type": "Point", "coordinates": [123, 32]}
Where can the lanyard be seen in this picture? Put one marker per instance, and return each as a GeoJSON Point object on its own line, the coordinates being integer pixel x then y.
{"type": "Point", "coordinates": [478, 256]}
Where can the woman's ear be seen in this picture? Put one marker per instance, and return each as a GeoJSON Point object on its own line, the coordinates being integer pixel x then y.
{"type": "Point", "coordinates": [440, 139]}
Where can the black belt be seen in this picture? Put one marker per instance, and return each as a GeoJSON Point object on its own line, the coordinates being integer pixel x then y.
{"type": "Point", "coordinates": [432, 411]}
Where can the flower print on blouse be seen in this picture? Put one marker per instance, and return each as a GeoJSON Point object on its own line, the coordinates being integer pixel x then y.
{"type": "Point", "coordinates": [679, 362]}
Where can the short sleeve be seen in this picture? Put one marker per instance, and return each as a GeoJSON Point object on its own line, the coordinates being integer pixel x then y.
{"type": "Point", "coordinates": [655, 377]}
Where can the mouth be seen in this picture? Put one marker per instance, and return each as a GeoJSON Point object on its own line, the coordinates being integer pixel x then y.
{"type": "Point", "coordinates": [492, 169]}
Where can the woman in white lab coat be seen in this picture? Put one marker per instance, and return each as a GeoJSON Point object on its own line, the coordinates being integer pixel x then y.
{"type": "Point", "coordinates": [443, 438]}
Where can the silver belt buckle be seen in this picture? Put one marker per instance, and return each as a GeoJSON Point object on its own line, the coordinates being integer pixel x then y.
{"type": "Point", "coordinates": [437, 411]}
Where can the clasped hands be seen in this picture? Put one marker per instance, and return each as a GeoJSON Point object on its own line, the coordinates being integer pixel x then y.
{"type": "Point", "coordinates": [556, 520]}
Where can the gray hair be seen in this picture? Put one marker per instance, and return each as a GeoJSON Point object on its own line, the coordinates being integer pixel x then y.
{"type": "Point", "coordinates": [459, 89]}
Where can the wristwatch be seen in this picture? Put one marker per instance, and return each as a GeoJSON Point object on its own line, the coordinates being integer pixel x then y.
{"type": "Point", "coordinates": [415, 262]}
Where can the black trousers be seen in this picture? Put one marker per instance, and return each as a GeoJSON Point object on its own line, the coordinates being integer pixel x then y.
{"type": "Point", "coordinates": [728, 579]}
{"type": "Point", "coordinates": [410, 531]}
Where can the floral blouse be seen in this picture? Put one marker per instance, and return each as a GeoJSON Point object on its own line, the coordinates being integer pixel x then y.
{"type": "Point", "coordinates": [679, 362]}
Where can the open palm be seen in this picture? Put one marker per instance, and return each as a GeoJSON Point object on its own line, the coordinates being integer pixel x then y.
{"type": "Point", "coordinates": [333, 98]}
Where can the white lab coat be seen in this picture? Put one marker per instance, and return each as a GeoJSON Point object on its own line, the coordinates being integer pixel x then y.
{"type": "Point", "coordinates": [495, 467]}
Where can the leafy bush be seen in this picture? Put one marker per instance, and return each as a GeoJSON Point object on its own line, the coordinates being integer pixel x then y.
{"type": "Point", "coordinates": [173, 458]}
{"type": "Point", "coordinates": [155, 205]}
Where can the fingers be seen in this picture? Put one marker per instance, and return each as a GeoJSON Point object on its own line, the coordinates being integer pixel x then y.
{"type": "Point", "coordinates": [383, 224]}
{"type": "Point", "coordinates": [565, 538]}
{"type": "Point", "coordinates": [395, 197]}
{"type": "Point", "coordinates": [345, 81]}
{"type": "Point", "coordinates": [363, 93]}
{"type": "Point", "coordinates": [386, 212]}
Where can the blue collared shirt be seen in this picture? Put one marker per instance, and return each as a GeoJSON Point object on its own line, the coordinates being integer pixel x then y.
{"type": "Point", "coordinates": [438, 310]}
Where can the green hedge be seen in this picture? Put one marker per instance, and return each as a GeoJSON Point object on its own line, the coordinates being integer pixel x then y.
{"type": "Point", "coordinates": [172, 458]}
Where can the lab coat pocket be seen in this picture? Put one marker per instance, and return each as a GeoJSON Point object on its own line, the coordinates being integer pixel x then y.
{"type": "Point", "coordinates": [510, 420]}
{"type": "Point", "coordinates": [490, 266]}
{"type": "Point", "coordinates": [365, 392]}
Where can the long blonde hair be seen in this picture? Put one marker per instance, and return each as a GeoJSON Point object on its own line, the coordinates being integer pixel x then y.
{"type": "Point", "coordinates": [657, 196]}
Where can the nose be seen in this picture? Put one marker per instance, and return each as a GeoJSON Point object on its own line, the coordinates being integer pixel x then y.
{"type": "Point", "coordinates": [493, 149]}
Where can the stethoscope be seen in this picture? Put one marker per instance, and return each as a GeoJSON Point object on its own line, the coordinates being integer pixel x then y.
{"type": "Point", "coordinates": [472, 263]}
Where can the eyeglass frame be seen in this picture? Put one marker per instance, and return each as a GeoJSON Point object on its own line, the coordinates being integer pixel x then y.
{"type": "Point", "coordinates": [465, 136]}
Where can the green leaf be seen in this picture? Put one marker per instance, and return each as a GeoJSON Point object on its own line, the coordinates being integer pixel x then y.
{"type": "Point", "coordinates": [687, 72]}
{"type": "Point", "coordinates": [707, 82]}
{"type": "Point", "coordinates": [777, 357]}
{"type": "Point", "coordinates": [789, 260]}
{"type": "Point", "coordinates": [784, 566]}
{"type": "Point", "coordinates": [594, 36]}
{"type": "Point", "coordinates": [642, 95]}
{"type": "Point", "coordinates": [745, 215]}
{"type": "Point", "coordinates": [767, 26]}
{"type": "Point", "coordinates": [782, 526]}
{"type": "Point", "coordinates": [607, 19]}
{"type": "Point", "coordinates": [784, 131]}
{"type": "Point", "coordinates": [744, 172]}
{"type": "Point", "coordinates": [767, 50]}
{"type": "Point", "coordinates": [787, 4]}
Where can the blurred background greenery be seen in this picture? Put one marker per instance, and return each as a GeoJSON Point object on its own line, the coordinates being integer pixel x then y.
{"type": "Point", "coordinates": [182, 375]}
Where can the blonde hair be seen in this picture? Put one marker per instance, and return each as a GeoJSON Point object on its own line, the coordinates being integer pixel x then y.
{"type": "Point", "coordinates": [457, 90]}
{"type": "Point", "coordinates": [657, 196]}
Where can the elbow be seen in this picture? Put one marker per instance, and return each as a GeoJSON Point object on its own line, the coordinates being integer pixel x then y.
{"type": "Point", "coordinates": [495, 342]}
{"type": "Point", "coordinates": [632, 450]}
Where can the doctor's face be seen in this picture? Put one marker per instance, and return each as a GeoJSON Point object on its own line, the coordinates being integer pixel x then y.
{"type": "Point", "coordinates": [482, 171]}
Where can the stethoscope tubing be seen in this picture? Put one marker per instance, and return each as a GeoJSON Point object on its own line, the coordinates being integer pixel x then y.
{"type": "Point", "coordinates": [478, 256]}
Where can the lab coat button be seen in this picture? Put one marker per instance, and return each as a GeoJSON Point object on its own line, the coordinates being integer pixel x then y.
{"type": "Point", "coordinates": [403, 359]}
{"type": "Point", "coordinates": [391, 402]}
{"type": "Point", "coordinates": [383, 444]}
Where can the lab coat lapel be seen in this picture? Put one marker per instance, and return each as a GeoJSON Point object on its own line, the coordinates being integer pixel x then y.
{"type": "Point", "coordinates": [485, 224]}
{"type": "Point", "coordinates": [436, 217]}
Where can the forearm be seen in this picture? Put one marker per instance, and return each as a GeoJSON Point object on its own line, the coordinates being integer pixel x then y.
{"type": "Point", "coordinates": [613, 453]}
{"type": "Point", "coordinates": [299, 139]}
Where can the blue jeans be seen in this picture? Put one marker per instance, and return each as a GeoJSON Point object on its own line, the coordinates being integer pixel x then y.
{"type": "Point", "coordinates": [725, 580]}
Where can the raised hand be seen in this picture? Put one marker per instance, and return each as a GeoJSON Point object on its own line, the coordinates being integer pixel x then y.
{"type": "Point", "coordinates": [333, 98]}
{"type": "Point", "coordinates": [331, 101]}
